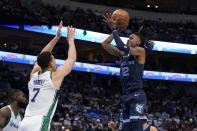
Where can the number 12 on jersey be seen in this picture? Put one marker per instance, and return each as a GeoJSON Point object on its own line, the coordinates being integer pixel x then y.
{"type": "Point", "coordinates": [125, 71]}
{"type": "Point", "coordinates": [36, 90]}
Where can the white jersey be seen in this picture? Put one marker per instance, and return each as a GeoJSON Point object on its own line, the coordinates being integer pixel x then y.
{"type": "Point", "coordinates": [42, 96]}
{"type": "Point", "coordinates": [14, 121]}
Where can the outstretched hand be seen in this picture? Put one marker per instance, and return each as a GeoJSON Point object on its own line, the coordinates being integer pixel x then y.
{"type": "Point", "coordinates": [107, 19]}
{"type": "Point", "coordinates": [59, 30]}
{"type": "Point", "coordinates": [112, 24]}
{"type": "Point", "coordinates": [70, 33]}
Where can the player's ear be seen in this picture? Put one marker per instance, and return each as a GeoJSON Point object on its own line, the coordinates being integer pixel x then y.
{"type": "Point", "coordinates": [51, 64]}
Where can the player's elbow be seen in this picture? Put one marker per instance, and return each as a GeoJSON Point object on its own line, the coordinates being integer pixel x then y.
{"type": "Point", "coordinates": [103, 45]}
{"type": "Point", "coordinates": [72, 58]}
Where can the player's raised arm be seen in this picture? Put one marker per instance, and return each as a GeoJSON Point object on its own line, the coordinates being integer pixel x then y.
{"type": "Point", "coordinates": [49, 47]}
{"type": "Point", "coordinates": [106, 44]}
{"type": "Point", "coordinates": [66, 68]}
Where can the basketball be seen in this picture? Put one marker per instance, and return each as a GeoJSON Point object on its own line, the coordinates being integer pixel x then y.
{"type": "Point", "coordinates": [120, 18]}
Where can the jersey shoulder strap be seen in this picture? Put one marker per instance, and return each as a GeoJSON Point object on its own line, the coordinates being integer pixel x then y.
{"type": "Point", "coordinates": [10, 108]}
{"type": "Point", "coordinates": [12, 113]}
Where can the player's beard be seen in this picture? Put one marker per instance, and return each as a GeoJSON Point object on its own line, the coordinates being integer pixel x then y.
{"type": "Point", "coordinates": [22, 104]}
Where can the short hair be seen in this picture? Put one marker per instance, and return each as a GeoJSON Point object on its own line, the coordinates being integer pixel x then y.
{"type": "Point", "coordinates": [141, 38]}
{"type": "Point", "coordinates": [44, 59]}
{"type": "Point", "coordinates": [14, 93]}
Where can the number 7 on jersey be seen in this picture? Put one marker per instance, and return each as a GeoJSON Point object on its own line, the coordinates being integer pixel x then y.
{"type": "Point", "coordinates": [36, 90]}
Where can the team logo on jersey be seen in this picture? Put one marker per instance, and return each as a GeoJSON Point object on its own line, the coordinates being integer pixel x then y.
{"type": "Point", "coordinates": [139, 108]}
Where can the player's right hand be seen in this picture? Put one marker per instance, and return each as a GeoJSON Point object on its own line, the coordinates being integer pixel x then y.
{"type": "Point", "coordinates": [70, 33]}
{"type": "Point", "coordinates": [112, 24]}
{"type": "Point", "coordinates": [107, 19]}
{"type": "Point", "coordinates": [59, 30]}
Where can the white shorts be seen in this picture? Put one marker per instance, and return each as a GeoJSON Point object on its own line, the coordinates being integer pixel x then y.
{"type": "Point", "coordinates": [35, 123]}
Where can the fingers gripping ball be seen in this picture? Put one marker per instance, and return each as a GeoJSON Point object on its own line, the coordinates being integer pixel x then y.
{"type": "Point", "coordinates": [120, 17]}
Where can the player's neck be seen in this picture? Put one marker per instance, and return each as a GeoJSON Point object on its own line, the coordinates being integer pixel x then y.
{"type": "Point", "coordinates": [46, 69]}
{"type": "Point", "coordinates": [15, 108]}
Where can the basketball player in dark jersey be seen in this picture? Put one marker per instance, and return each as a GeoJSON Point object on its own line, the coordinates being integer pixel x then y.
{"type": "Point", "coordinates": [131, 76]}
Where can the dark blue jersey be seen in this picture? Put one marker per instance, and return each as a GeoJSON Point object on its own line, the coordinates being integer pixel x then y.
{"type": "Point", "coordinates": [131, 74]}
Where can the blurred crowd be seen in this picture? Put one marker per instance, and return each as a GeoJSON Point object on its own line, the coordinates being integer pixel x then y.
{"type": "Point", "coordinates": [88, 101]}
{"type": "Point", "coordinates": [35, 12]}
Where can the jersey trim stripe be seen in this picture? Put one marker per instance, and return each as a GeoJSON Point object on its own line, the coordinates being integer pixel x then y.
{"type": "Point", "coordinates": [51, 75]}
{"type": "Point", "coordinates": [46, 119]}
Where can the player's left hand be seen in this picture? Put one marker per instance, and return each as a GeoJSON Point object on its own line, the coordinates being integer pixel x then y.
{"type": "Point", "coordinates": [59, 30]}
{"type": "Point", "coordinates": [70, 33]}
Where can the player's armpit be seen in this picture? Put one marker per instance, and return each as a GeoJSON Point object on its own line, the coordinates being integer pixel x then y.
{"type": "Point", "coordinates": [63, 71]}
{"type": "Point", "coordinates": [5, 115]}
{"type": "Point", "coordinates": [137, 51]}
{"type": "Point", "coordinates": [35, 69]}
{"type": "Point", "coordinates": [66, 68]}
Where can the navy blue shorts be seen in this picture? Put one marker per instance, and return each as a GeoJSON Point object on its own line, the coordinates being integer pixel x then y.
{"type": "Point", "coordinates": [133, 110]}
{"type": "Point", "coordinates": [133, 126]}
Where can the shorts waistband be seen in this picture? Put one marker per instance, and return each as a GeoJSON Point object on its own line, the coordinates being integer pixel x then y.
{"type": "Point", "coordinates": [133, 118]}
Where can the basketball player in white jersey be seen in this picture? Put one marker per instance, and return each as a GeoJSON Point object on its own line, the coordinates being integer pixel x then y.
{"type": "Point", "coordinates": [45, 81]}
{"type": "Point", "coordinates": [10, 115]}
